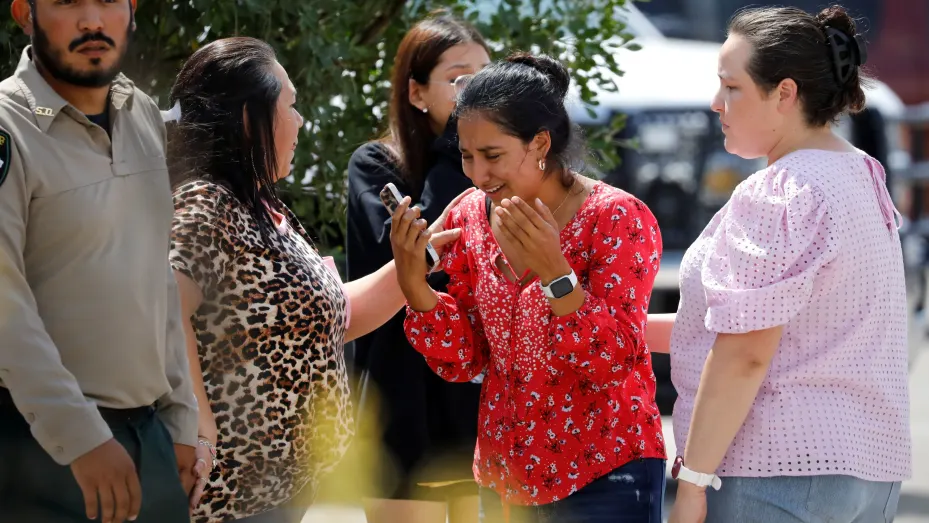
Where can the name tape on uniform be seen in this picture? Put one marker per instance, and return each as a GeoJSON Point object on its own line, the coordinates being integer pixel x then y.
{"type": "Point", "coordinates": [6, 154]}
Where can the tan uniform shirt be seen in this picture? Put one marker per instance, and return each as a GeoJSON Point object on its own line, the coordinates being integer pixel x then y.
{"type": "Point", "coordinates": [89, 310]}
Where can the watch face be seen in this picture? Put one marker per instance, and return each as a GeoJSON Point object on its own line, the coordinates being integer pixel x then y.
{"type": "Point", "coordinates": [676, 468]}
{"type": "Point", "coordinates": [561, 287]}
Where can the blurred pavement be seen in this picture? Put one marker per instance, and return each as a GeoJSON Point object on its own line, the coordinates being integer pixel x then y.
{"type": "Point", "coordinates": [914, 499]}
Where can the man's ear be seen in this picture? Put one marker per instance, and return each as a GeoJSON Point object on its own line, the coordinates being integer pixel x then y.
{"type": "Point", "coordinates": [22, 13]}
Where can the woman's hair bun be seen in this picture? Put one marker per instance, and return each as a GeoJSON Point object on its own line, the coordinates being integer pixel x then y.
{"type": "Point", "coordinates": [851, 97]}
{"type": "Point", "coordinates": [556, 72]}
{"type": "Point", "coordinates": [837, 17]}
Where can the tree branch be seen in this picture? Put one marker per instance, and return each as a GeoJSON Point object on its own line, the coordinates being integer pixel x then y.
{"type": "Point", "coordinates": [377, 26]}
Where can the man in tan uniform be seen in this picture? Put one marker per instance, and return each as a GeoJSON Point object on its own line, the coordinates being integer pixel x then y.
{"type": "Point", "coordinates": [97, 414]}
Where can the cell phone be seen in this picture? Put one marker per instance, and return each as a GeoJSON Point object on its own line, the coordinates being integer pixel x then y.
{"type": "Point", "coordinates": [391, 197]}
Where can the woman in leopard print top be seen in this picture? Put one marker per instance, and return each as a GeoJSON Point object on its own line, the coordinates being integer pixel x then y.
{"type": "Point", "coordinates": [266, 318]}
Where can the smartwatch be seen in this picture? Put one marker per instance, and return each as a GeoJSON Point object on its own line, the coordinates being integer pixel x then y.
{"type": "Point", "coordinates": [680, 472]}
{"type": "Point", "coordinates": [560, 287]}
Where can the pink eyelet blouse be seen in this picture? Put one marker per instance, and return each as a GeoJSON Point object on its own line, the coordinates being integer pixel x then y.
{"type": "Point", "coordinates": [810, 243]}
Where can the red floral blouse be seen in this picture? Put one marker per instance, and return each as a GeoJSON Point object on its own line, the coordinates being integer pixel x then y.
{"type": "Point", "coordinates": [565, 399]}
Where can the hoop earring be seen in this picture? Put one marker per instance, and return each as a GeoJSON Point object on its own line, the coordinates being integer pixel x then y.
{"type": "Point", "coordinates": [541, 164]}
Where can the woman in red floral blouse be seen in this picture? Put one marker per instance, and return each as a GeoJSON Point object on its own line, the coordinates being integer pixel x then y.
{"type": "Point", "coordinates": [549, 305]}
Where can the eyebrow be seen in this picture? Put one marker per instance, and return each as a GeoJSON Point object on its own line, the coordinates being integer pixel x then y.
{"type": "Point", "coordinates": [463, 66]}
{"type": "Point", "coordinates": [456, 66]}
{"type": "Point", "coordinates": [484, 149]}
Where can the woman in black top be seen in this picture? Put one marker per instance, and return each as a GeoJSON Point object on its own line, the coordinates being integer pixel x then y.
{"type": "Point", "coordinates": [426, 426]}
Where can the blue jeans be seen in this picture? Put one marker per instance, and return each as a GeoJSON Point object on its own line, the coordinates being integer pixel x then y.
{"type": "Point", "coordinates": [797, 499]}
{"type": "Point", "coordinates": [633, 493]}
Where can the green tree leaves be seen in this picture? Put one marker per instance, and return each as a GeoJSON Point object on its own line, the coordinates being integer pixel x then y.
{"type": "Point", "coordinates": [339, 55]}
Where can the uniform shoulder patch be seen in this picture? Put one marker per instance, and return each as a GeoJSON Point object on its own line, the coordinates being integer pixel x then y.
{"type": "Point", "coordinates": [6, 154]}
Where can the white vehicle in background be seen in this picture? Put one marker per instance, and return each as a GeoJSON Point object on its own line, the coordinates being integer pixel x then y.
{"type": "Point", "coordinates": [680, 168]}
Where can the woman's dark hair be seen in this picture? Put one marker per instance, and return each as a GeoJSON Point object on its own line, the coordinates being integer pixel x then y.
{"type": "Point", "coordinates": [821, 53]}
{"type": "Point", "coordinates": [213, 139]}
{"type": "Point", "coordinates": [524, 95]}
{"type": "Point", "coordinates": [410, 131]}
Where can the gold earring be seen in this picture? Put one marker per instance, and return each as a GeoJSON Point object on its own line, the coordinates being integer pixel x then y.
{"type": "Point", "coordinates": [541, 164]}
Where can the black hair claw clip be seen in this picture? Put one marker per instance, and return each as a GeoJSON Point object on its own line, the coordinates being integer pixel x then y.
{"type": "Point", "coordinates": [847, 53]}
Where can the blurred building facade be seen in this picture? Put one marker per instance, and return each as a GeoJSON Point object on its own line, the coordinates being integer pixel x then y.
{"type": "Point", "coordinates": [897, 31]}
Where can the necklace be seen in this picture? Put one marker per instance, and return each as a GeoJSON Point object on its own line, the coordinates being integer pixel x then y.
{"type": "Point", "coordinates": [565, 197]}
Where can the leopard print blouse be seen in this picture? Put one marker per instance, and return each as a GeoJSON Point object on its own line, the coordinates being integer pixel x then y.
{"type": "Point", "coordinates": [270, 336]}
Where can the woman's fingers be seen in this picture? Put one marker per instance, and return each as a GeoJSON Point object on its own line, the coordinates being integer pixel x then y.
{"type": "Point", "coordinates": [397, 225]}
{"type": "Point", "coordinates": [422, 240]}
{"type": "Point", "coordinates": [439, 224]}
{"type": "Point", "coordinates": [510, 227]}
{"type": "Point", "coordinates": [516, 216]}
{"type": "Point", "coordinates": [415, 232]}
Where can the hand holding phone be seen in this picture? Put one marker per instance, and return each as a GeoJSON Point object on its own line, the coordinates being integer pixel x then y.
{"type": "Point", "coordinates": [391, 198]}
{"type": "Point", "coordinates": [409, 237]}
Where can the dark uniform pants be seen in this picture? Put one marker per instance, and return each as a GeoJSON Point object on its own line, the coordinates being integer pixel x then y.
{"type": "Point", "coordinates": [35, 489]}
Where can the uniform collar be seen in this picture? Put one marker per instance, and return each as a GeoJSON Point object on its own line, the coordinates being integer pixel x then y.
{"type": "Point", "coordinates": [45, 104]}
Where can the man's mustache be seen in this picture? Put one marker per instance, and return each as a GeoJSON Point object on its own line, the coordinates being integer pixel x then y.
{"type": "Point", "coordinates": [91, 37]}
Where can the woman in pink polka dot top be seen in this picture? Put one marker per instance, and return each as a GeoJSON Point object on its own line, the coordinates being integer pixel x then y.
{"type": "Point", "coordinates": [788, 349]}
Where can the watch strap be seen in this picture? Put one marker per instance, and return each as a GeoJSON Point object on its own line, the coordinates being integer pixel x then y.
{"type": "Point", "coordinates": [699, 478]}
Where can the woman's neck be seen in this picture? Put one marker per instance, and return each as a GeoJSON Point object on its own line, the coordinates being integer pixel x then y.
{"type": "Point", "coordinates": [552, 192]}
{"type": "Point", "coordinates": [807, 138]}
